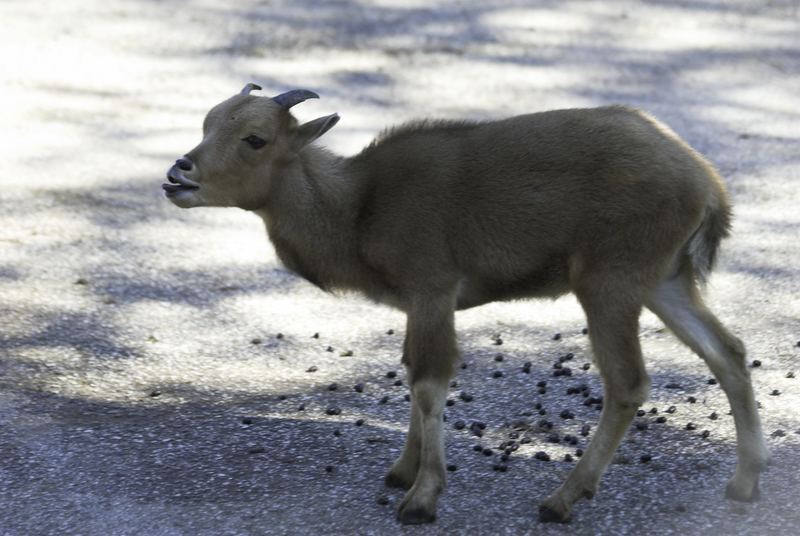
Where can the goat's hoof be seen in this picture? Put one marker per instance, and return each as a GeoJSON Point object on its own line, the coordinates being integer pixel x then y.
{"type": "Point", "coordinates": [736, 492]}
{"type": "Point", "coordinates": [549, 514]}
{"type": "Point", "coordinates": [415, 515]}
{"type": "Point", "coordinates": [393, 480]}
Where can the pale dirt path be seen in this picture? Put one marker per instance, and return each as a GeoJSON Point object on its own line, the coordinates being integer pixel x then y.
{"type": "Point", "coordinates": [109, 295]}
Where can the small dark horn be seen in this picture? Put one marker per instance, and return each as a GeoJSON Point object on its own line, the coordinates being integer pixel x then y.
{"type": "Point", "coordinates": [248, 88]}
{"type": "Point", "coordinates": [295, 96]}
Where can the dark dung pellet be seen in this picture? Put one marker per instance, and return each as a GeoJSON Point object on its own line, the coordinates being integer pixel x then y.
{"type": "Point", "coordinates": [391, 374]}
{"type": "Point", "coordinates": [256, 450]}
{"type": "Point", "coordinates": [329, 349]}
{"type": "Point", "coordinates": [542, 456]}
{"type": "Point", "coordinates": [640, 413]}
{"type": "Point", "coordinates": [333, 410]}
{"type": "Point", "coordinates": [312, 368]}
{"type": "Point", "coordinates": [398, 383]}
{"type": "Point", "coordinates": [671, 409]}
{"type": "Point", "coordinates": [585, 331]}
{"type": "Point", "coordinates": [642, 426]}
{"type": "Point", "coordinates": [459, 425]}
{"type": "Point", "coordinates": [390, 332]}
{"type": "Point", "coordinates": [645, 458]}
{"type": "Point", "coordinates": [790, 374]}
{"type": "Point", "coordinates": [714, 416]}
{"type": "Point", "coordinates": [247, 420]}
{"type": "Point", "coordinates": [453, 384]}
{"type": "Point", "coordinates": [586, 366]}
{"type": "Point", "coordinates": [334, 386]}
{"type": "Point", "coordinates": [301, 407]}
{"type": "Point", "coordinates": [477, 448]}
{"type": "Point", "coordinates": [466, 397]}
{"type": "Point", "coordinates": [756, 363]}
{"type": "Point", "coordinates": [498, 358]}
{"type": "Point", "coordinates": [346, 353]}
{"type": "Point", "coordinates": [315, 336]}
{"type": "Point", "coordinates": [358, 388]}
{"type": "Point", "coordinates": [328, 468]}
{"type": "Point", "coordinates": [691, 426]}
{"type": "Point", "coordinates": [712, 381]}
{"type": "Point", "coordinates": [407, 397]}
{"type": "Point", "coordinates": [705, 434]}
{"type": "Point", "coordinates": [775, 392]}
{"type": "Point", "coordinates": [691, 400]}
{"type": "Point", "coordinates": [450, 402]}
{"type": "Point", "coordinates": [383, 500]}
{"type": "Point", "coordinates": [568, 457]}
{"type": "Point", "coordinates": [541, 383]}
{"type": "Point", "coordinates": [567, 414]}
{"type": "Point", "coordinates": [487, 451]}
{"type": "Point", "coordinates": [661, 420]}
{"type": "Point", "coordinates": [452, 467]}
{"type": "Point", "coordinates": [557, 337]}
{"type": "Point", "coordinates": [360, 422]}
{"type": "Point", "coordinates": [256, 340]}
{"type": "Point", "coordinates": [384, 399]}
{"type": "Point", "coordinates": [337, 432]}
{"type": "Point", "coordinates": [497, 374]}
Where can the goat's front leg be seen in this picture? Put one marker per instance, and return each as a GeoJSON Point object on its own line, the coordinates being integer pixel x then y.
{"type": "Point", "coordinates": [430, 355]}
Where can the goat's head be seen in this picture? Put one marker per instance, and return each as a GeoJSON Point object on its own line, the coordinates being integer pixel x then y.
{"type": "Point", "coordinates": [247, 141]}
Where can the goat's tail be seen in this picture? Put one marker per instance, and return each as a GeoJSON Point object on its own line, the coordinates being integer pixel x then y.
{"type": "Point", "coordinates": [703, 245]}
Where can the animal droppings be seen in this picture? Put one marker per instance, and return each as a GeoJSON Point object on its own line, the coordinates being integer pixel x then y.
{"type": "Point", "coordinates": [691, 426]}
{"type": "Point", "coordinates": [256, 340]}
{"type": "Point", "coordinates": [557, 337]}
{"type": "Point", "coordinates": [497, 374]}
{"type": "Point", "coordinates": [332, 387]}
{"type": "Point", "coordinates": [358, 388]}
{"type": "Point", "coordinates": [645, 458]}
{"type": "Point", "coordinates": [390, 332]}
{"type": "Point", "coordinates": [775, 392]}
{"type": "Point", "coordinates": [712, 381]}
{"type": "Point", "coordinates": [391, 374]}
{"type": "Point", "coordinates": [498, 358]}
{"type": "Point", "coordinates": [312, 368]}
{"type": "Point", "coordinates": [452, 467]}
{"type": "Point", "coordinates": [542, 456]}
{"type": "Point", "coordinates": [346, 353]}
{"type": "Point", "coordinates": [333, 410]}
{"type": "Point", "coordinates": [756, 363]}
{"type": "Point", "coordinates": [383, 500]}
{"type": "Point", "coordinates": [466, 397]}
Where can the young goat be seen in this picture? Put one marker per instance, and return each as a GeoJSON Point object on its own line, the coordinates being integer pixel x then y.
{"type": "Point", "coordinates": [437, 216]}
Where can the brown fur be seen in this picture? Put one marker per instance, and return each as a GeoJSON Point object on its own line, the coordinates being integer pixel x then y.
{"type": "Point", "coordinates": [435, 216]}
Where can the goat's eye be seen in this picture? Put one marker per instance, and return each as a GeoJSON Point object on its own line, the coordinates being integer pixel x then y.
{"type": "Point", "coordinates": [254, 141]}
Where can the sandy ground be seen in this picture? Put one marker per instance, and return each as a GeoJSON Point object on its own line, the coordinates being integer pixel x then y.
{"type": "Point", "coordinates": [144, 387]}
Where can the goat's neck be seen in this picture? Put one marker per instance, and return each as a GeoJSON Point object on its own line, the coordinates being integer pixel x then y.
{"type": "Point", "coordinates": [310, 218]}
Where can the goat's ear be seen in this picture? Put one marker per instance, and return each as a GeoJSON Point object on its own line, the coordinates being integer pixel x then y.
{"type": "Point", "coordinates": [308, 132]}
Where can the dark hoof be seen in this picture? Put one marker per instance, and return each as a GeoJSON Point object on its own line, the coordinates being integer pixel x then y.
{"type": "Point", "coordinates": [548, 515]}
{"type": "Point", "coordinates": [735, 494]}
{"type": "Point", "coordinates": [415, 516]}
{"type": "Point", "coordinates": [394, 481]}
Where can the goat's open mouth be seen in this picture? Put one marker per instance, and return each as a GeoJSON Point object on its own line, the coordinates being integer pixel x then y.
{"type": "Point", "coordinates": [178, 183]}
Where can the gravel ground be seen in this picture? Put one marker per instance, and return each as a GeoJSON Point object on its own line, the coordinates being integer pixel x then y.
{"type": "Point", "coordinates": [154, 362]}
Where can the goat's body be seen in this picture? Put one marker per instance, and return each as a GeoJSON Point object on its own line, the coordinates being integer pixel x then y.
{"type": "Point", "coordinates": [510, 209]}
{"type": "Point", "coordinates": [606, 203]}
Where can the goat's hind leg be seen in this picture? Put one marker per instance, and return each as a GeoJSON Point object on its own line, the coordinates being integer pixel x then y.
{"type": "Point", "coordinates": [679, 305]}
{"type": "Point", "coordinates": [613, 328]}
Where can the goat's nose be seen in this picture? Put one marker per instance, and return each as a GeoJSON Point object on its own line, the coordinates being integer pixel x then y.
{"type": "Point", "coordinates": [184, 163]}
